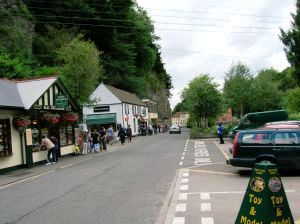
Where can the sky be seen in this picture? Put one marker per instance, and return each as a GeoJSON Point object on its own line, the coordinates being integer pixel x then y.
{"type": "Point", "coordinates": [209, 36]}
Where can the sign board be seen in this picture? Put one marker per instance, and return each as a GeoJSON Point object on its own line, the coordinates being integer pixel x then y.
{"type": "Point", "coordinates": [265, 201]}
{"type": "Point", "coordinates": [28, 136]}
{"type": "Point", "coordinates": [61, 101]}
{"type": "Point", "coordinates": [102, 109]}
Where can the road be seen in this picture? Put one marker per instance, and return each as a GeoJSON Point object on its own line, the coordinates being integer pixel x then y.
{"type": "Point", "coordinates": [126, 185]}
{"type": "Point", "coordinates": [154, 177]}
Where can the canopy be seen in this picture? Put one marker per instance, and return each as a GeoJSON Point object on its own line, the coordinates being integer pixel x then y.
{"type": "Point", "coordinates": [101, 118]}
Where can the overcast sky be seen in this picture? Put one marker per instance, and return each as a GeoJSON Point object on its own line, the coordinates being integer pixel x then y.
{"type": "Point", "coordinates": [208, 36]}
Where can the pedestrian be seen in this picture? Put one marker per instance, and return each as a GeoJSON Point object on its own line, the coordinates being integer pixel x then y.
{"type": "Point", "coordinates": [129, 133]}
{"type": "Point", "coordinates": [51, 150]}
{"type": "Point", "coordinates": [110, 135]}
{"type": "Point", "coordinates": [95, 141]}
{"type": "Point", "coordinates": [150, 129]}
{"type": "Point", "coordinates": [85, 138]}
{"type": "Point", "coordinates": [55, 142]}
{"type": "Point", "coordinates": [220, 133]}
{"type": "Point", "coordinates": [121, 135]}
{"type": "Point", "coordinates": [102, 138]}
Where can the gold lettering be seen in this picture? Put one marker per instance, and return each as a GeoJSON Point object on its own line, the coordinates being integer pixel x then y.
{"type": "Point", "coordinates": [277, 200]}
{"type": "Point", "coordinates": [243, 219]}
{"type": "Point", "coordinates": [252, 211]}
{"type": "Point", "coordinates": [255, 200]}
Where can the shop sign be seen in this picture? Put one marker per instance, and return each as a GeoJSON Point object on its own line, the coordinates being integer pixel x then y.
{"type": "Point", "coordinates": [265, 201]}
{"type": "Point", "coordinates": [61, 101]}
{"type": "Point", "coordinates": [102, 109]}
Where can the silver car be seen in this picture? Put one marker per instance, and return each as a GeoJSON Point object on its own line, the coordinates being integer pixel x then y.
{"type": "Point", "coordinates": [175, 129]}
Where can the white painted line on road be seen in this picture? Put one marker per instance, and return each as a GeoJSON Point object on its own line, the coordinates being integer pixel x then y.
{"type": "Point", "coordinates": [182, 158]}
{"type": "Point", "coordinates": [183, 154]}
{"type": "Point", "coordinates": [184, 187]}
{"type": "Point", "coordinates": [214, 172]}
{"type": "Point", "coordinates": [182, 197]}
{"type": "Point", "coordinates": [204, 196]}
{"type": "Point", "coordinates": [181, 208]}
{"type": "Point", "coordinates": [178, 220]}
{"type": "Point", "coordinates": [184, 150]}
{"type": "Point", "coordinates": [205, 207]}
{"type": "Point", "coordinates": [185, 174]}
{"type": "Point", "coordinates": [229, 192]}
{"type": "Point", "coordinates": [180, 164]}
{"type": "Point", "coordinates": [226, 156]}
{"type": "Point", "coordinates": [207, 220]}
{"type": "Point", "coordinates": [184, 180]}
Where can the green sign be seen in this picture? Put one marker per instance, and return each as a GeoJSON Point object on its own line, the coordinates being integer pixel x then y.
{"type": "Point", "coordinates": [61, 101]}
{"type": "Point", "coordinates": [265, 201]}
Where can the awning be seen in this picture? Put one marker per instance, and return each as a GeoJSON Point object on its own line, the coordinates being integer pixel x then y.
{"type": "Point", "coordinates": [101, 119]}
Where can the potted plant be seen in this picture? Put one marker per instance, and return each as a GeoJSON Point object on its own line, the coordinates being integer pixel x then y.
{"type": "Point", "coordinates": [51, 118]}
{"type": "Point", "coordinates": [70, 117]}
{"type": "Point", "coordinates": [21, 122]}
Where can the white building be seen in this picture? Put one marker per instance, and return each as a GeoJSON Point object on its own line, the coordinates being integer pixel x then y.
{"type": "Point", "coordinates": [180, 118]}
{"type": "Point", "coordinates": [116, 107]}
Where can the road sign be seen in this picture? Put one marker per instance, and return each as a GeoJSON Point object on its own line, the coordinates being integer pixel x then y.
{"type": "Point", "coordinates": [265, 201]}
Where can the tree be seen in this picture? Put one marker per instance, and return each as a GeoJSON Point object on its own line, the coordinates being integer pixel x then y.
{"type": "Point", "coordinates": [202, 98]}
{"type": "Point", "coordinates": [81, 70]}
{"type": "Point", "coordinates": [237, 88]}
{"type": "Point", "coordinates": [292, 100]}
{"type": "Point", "coordinates": [265, 91]}
{"type": "Point", "coordinates": [291, 40]}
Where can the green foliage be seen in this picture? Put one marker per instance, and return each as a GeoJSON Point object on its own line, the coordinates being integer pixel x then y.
{"type": "Point", "coordinates": [81, 70]}
{"type": "Point", "coordinates": [292, 100]}
{"type": "Point", "coordinates": [237, 88]}
{"type": "Point", "coordinates": [291, 41]}
{"type": "Point", "coordinates": [287, 79]}
{"type": "Point", "coordinates": [202, 98]}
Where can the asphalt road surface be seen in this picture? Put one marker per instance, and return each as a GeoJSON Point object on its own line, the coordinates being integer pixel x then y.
{"type": "Point", "coordinates": [126, 185]}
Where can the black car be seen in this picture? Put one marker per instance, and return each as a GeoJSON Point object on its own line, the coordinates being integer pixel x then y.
{"type": "Point", "coordinates": [279, 145]}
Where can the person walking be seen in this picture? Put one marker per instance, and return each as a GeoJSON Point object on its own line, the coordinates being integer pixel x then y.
{"type": "Point", "coordinates": [56, 150]}
{"type": "Point", "coordinates": [129, 133]}
{"type": "Point", "coordinates": [220, 133]}
{"type": "Point", "coordinates": [110, 135]}
{"type": "Point", "coordinates": [121, 135]}
{"type": "Point", "coordinates": [95, 141]}
{"type": "Point", "coordinates": [102, 138]}
{"type": "Point", "coordinates": [85, 138]}
{"type": "Point", "coordinates": [51, 155]}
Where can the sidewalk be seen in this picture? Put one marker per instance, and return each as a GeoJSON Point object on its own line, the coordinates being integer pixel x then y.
{"type": "Point", "coordinates": [20, 175]}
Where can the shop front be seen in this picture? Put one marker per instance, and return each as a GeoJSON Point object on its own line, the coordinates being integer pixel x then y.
{"type": "Point", "coordinates": [46, 109]}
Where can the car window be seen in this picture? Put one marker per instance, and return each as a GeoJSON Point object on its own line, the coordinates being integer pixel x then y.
{"type": "Point", "coordinates": [286, 138]}
{"type": "Point", "coordinates": [256, 138]}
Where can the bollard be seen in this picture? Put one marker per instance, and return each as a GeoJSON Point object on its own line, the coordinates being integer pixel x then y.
{"type": "Point", "coordinates": [265, 201]}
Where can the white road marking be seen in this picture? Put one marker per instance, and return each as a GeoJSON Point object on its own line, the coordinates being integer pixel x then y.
{"type": "Point", "coordinates": [185, 180]}
{"type": "Point", "coordinates": [202, 160]}
{"type": "Point", "coordinates": [180, 163]}
{"type": "Point", "coordinates": [182, 158]}
{"type": "Point", "coordinates": [178, 220]}
{"type": "Point", "coordinates": [204, 196]}
{"type": "Point", "coordinates": [185, 174]}
{"type": "Point", "coordinates": [181, 208]}
{"type": "Point", "coordinates": [183, 154]}
{"type": "Point", "coordinates": [230, 192]}
{"type": "Point", "coordinates": [182, 197]}
{"type": "Point", "coordinates": [184, 187]}
{"type": "Point", "coordinates": [207, 220]}
{"type": "Point", "coordinates": [205, 207]}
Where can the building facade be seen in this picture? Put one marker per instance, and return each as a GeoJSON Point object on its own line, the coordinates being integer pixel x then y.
{"type": "Point", "coordinates": [115, 107]}
{"type": "Point", "coordinates": [180, 118]}
{"type": "Point", "coordinates": [30, 109]}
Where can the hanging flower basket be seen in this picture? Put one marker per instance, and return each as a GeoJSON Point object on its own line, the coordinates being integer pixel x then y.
{"type": "Point", "coordinates": [70, 117]}
{"type": "Point", "coordinates": [21, 122]}
{"type": "Point", "coordinates": [51, 118]}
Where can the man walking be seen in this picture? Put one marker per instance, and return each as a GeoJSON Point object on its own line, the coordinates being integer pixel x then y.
{"type": "Point", "coordinates": [129, 133]}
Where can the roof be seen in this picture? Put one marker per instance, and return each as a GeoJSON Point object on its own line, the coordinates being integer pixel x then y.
{"type": "Point", "coordinates": [177, 114]}
{"type": "Point", "coordinates": [9, 95]}
{"type": "Point", "coordinates": [125, 97]}
{"type": "Point", "coordinates": [31, 90]}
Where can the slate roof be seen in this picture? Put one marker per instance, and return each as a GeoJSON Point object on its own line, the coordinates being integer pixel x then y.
{"type": "Point", "coordinates": [126, 97]}
{"type": "Point", "coordinates": [9, 94]}
{"type": "Point", "coordinates": [24, 93]}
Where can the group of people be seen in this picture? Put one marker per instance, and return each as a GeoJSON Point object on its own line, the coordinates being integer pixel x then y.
{"type": "Point", "coordinates": [153, 129]}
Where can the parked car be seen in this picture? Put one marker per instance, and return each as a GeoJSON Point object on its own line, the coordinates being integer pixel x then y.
{"type": "Point", "coordinates": [277, 143]}
{"type": "Point", "coordinates": [175, 129]}
{"type": "Point", "coordinates": [257, 119]}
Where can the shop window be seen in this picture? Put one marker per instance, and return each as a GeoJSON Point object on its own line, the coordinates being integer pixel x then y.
{"type": "Point", "coordinates": [5, 139]}
{"type": "Point", "coordinates": [66, 135]}
{"type": "Point", "coordinates": [69, 135]}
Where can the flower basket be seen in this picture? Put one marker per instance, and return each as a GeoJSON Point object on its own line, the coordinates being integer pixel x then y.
{"type": "Point", "coordinates": [51, 118]}
{"type": "Point", "coordinates": [70, 117]}
{"type": "Point", "coordinates": [21, 122]}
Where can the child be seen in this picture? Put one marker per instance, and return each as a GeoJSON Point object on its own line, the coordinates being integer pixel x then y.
{"type": "Point", "coordinates": [77, 150]}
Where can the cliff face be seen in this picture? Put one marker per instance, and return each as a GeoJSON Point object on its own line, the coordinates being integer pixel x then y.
{"type": "Point", "coordinates": [163, 105]}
